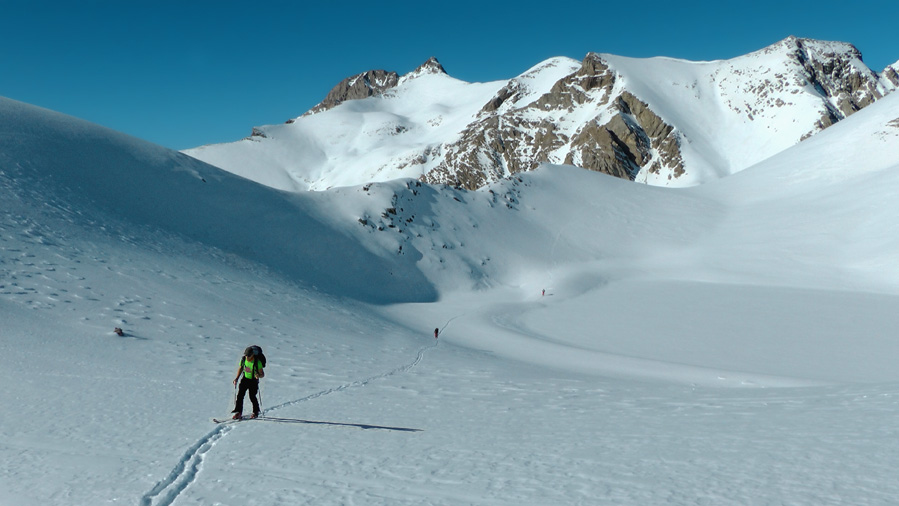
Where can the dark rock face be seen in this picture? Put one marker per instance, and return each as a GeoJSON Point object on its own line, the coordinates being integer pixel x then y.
{"type": "Point", "coordinates": [371, 83]}
{"type": "Point", "coordinates": [519, 139]}
{"type": "Point", "coordinates": [624, 145]}
{"type": "Point", "coordinates": [432, 66]}
{"type": "Point", "coordinates": [890, 75]}
{"type": "Point", "coordinates": [834, 76]}
{"type": "Point", "coordinates": [364, 85]}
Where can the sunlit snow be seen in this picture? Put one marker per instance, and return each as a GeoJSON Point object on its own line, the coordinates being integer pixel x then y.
{"type": "Point", "coordinates": [601, 342]}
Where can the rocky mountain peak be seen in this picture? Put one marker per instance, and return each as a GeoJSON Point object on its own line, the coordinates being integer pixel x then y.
{"type": "Point", "coordinates": [819, 48]}
{"type": "Point", "coordinates": [594, 74]}
{"type": "Point", "coordinates": [372, 83]}
{"type": "Point", "coordinates": [835, 68]}
{"type": "Point", "coordinates": [592, 67]}
{"type": "Point", "coordinates": [833, 71]}
{"type": "Point", "coordinates": [364, 85]}
{"type": "Point", "coordinates": [431, 66]}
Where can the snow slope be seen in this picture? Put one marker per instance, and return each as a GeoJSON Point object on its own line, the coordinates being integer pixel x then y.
{"type": "Point", "coordinates": [607, 389]}
{"type": "Point", "coordinates": [358, 140]}
{"type": "Point", "coordinates": [117, 175]}
{"type": "Point", "coordinates": [735, 113]}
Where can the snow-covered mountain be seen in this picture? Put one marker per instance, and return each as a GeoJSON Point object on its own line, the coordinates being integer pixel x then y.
{"type": "Point", "coordinates": [600, 341]}
{"type": "Point", "coordinates": [659, 120]}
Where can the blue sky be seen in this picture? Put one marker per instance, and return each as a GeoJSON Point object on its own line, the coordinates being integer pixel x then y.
{"type": "Point", "coordinates": [188, 73]}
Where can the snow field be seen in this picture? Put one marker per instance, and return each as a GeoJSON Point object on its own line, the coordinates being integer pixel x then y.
{"type": "Point", "coordinates": [776, 283]}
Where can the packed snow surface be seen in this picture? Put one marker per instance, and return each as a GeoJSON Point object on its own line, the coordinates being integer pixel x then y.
{"type": "Point", "coordinates": [601, 342]}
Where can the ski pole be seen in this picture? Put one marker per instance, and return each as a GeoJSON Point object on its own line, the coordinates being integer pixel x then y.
{"type": "Point", "coordinates": [261, 409]}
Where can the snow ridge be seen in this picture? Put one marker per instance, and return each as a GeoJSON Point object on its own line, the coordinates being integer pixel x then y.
{"type": "Point", "coordinates": [660, 121]}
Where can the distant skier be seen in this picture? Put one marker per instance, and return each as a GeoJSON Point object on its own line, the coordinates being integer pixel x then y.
{"type": "Point", "coordinates": [543, 292]}
{"type": "Point", "coordinates": [119, 332]}
{"type": "Point", "coordinates": [436, 331]}
{"type": "Point", "coordinates": [249, 372]}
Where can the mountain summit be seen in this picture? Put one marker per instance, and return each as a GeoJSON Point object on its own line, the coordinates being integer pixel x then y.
{"type": "Point", "coordinates": [432, 66]}
{"type": "Point", "coordinates": [364, 85]}
{"type": "Point", "coordinates": [660, 121]}
{"type": "Point", "coordinates": [371, 83]}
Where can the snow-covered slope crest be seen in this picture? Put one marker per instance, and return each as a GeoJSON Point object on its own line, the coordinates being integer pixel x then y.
{"type": "Point", "coordinates": [659, 120]}
{"type": "Point", "coordinates": [671, 122]}
{"type": "Point", "coordinates": [728, 115]}
{"type": "Point", "coordinates": [396, 133]}
{"type": "Point", "coordinates": [86, 176]}
{"type": "Point", "coordinates": [828, 201]}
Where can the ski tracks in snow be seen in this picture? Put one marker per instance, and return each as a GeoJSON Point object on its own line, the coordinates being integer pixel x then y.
{"type": "Point", "coordinates": [360, 383]}
{"type": "Point", "coordinates": [167, 491]}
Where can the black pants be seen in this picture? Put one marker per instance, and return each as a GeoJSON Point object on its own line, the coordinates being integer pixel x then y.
{"type": "Point", "coordinates": [247, 384]}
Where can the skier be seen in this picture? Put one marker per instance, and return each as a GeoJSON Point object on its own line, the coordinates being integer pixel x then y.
{"type": "Point", "coordinates": [248, 373]}
{"type": "Point", "coordinates": [436, 331]}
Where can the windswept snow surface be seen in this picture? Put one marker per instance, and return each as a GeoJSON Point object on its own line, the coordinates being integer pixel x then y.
{"type": "Point", "coordinates": [731, 343]}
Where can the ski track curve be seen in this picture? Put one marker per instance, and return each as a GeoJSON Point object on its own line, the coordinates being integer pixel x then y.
{"type": "Point", "coordinates": [185, 472]}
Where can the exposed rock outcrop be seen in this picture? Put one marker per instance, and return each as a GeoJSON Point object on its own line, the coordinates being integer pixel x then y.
{"type": "Point", "coordinates": [633, 139]}
{"type": "Point", "coordinates": [890, 76]}
{"type": "Point", "coordinates": [836, 76]}
{"type": "Point", "coordinates": [593, 76]}
{"type": "Point", "coordinates": [371, 83]}
{"type": "Point", "coordinates": [432, 66]}
{"type": "Point", "coordinates": [519, 139]}
{"type": "Point", "coordinates": [364, 85]}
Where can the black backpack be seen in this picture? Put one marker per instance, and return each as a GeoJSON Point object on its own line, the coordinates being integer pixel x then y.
{"type": "Point", "coordinates": [256, 351]}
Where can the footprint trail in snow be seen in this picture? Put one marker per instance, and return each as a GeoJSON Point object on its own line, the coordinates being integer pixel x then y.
{"type": "Point", "coordinates": [186, 471]}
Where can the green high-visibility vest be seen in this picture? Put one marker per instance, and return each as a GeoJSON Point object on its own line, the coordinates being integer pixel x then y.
{"type": "Point", "coordinates": [248, 368]}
